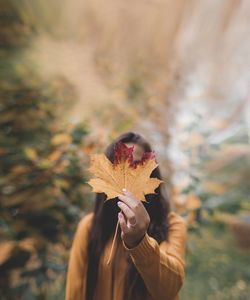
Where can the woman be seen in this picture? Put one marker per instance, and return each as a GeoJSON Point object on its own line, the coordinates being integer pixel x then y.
{"type": "Point", "coordinates": [148, 260]}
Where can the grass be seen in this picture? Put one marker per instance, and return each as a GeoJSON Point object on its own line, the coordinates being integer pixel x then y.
{"type": "Point", "coordinates": [217, 268]}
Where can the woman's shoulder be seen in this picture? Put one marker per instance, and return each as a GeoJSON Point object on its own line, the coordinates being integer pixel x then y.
{"type": "Point", "coordinates": [85, 222]}
{"type": "Point", "coordinates": [175, 220]}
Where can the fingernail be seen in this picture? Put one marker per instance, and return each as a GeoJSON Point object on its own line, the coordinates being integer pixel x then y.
{"type": "Point", "coordinates": [119, 203]}
{"type": "Point", "coordinates": [119, 215]}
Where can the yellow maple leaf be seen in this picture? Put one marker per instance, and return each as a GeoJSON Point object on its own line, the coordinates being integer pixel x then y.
{"type": "Point", "coordinates": [111, 178]}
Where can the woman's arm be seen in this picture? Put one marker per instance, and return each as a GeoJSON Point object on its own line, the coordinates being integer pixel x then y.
{"type": "Point", "coordinates": [77, 261]}
{"type": "Point", "coordinates": [162, 266]}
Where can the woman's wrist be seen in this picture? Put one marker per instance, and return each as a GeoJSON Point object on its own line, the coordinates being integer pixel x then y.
{"type": "Point", "coordinates": [133, 244]}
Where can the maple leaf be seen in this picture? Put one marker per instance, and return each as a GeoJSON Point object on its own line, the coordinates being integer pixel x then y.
{"type": "Point", "coordinates": [111, 178]}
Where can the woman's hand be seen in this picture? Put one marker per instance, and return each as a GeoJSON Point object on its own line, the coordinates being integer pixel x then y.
{"type": "Point", "coordinates": [134, 219]}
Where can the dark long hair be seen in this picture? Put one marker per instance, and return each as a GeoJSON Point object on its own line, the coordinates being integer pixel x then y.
{"type": "Point", "coordinates": [104, 223]}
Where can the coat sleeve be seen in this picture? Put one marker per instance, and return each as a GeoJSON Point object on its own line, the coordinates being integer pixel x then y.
{"type": "Point", "coordinates": [162, 266]}
{"type": "Point", "coordinates": [77, 261]}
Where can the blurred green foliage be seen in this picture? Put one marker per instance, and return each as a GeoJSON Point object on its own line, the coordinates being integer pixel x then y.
{"type": "Point", "coordinates": [42, 169]}
{"type": "Point", "coordinates": [218, 257]}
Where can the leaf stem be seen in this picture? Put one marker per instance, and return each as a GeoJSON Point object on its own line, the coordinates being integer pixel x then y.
{"type": "Point", "coordinates": [113, 243]}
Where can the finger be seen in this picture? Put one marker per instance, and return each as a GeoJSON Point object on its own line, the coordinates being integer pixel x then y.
{"type": "Point", "coordinates": [131, 195]}
{"type": "Point", "coordinates": [132, 203]}
{"type": "Point", "coordinates": [128, 193]}
{"type": "Point", "coordinates": [129, 214]}
{"type": "Point", "coordinates": [123, 224]}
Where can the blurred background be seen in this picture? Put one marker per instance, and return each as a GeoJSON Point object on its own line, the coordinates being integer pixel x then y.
{"type": "Point", "coordinates": [74, 75]}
